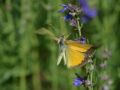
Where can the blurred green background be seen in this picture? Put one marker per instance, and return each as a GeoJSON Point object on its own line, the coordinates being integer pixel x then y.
{"type": "Point", "coordinates": [28, 60]}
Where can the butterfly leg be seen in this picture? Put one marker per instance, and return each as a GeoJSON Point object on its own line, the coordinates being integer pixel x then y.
{"type": "Point", "coordinates": [60, 58]}
{"type": "Point", "coordinates": [64, 58]}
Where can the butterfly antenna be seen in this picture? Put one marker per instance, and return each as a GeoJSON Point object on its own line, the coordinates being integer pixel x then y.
{"type": "Point", "coordinates": [53, 28]}
{"type": "Point", "coordinates": [67, 35]}
{"type": "Point", "coordinates": [44, 31]}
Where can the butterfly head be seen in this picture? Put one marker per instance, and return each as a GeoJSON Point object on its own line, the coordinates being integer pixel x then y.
{"type": "Point", "coordinates": [61, 40]}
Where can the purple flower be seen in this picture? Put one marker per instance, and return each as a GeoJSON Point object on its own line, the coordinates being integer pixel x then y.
{"type": "Point", "coordinates": [88, 13]}
{"type": "Point", "coordinates": [70, 8]}
{"type": "Point", "coordinates": [71, 11]}
{"type": "Point", "coordinates": [82, 13]}
{"type": "Point", "coordinates": [65, 7]}
{"type": "Point", "coordinates": [81, 40]}
{"type": "Point", "coordinates": [73, 22]}
{"type": "Point", "coordinates": [68, 17]}
{"type": "Point", "coordinates": [78, 81]}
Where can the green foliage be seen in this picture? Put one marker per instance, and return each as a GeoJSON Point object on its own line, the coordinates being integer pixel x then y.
{"type": "Point", "coordinates": [28, 60]}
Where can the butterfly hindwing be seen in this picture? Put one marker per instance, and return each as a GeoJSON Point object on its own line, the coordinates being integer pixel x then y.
{"type": "Point", "coordinates": [77, 53]}
{"type": "Point", "coordinates": [74, 57]}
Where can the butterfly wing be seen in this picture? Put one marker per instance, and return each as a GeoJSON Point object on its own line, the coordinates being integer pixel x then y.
{"type": "Point", "coordinates": [77, 53]}
{"type": "Point", "coordinates": [78, 46]}
{"type": "Point", "coordinates": [74, 57]}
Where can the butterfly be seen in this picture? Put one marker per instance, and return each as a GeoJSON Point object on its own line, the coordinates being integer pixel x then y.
{"type": "Point", "coordinates": [73, 52]}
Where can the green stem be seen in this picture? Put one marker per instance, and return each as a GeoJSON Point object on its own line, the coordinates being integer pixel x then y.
{"type": "Point", "coordinates": [91, 78]}
{"type": "Point", "coordinates": [79, 28]}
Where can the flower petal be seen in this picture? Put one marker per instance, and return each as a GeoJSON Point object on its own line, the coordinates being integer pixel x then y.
{"type": "Point", "coordinates": [89, 12]}
{"type": "Point", "coordinates": [78, 81]}
{"type": "Point", "coordinates": [65, 7]}
{"type": "Point", "coordinates": [68, 17]}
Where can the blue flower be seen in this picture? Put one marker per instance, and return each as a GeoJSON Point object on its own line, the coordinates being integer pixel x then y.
{"type": "Point", "coordinates": [73, 12]}
{"type": "Point", "coordinates": [78, 81]}
{"type": "Point", "coordinates": [88, 13]}
{"type": "Point", "coordinates": [81, 40]}
{"type": "Point", "coordinates": [70, 13]}
{"type": "Point", "coordinates": [68, 17]}
{"type": "Point", "coordinates": [65, 7]}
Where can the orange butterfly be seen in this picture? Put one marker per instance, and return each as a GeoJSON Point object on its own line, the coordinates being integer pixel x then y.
{"type": "Point", "coordinates": [74, 53]}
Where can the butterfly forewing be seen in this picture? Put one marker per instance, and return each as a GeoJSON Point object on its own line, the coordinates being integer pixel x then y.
{"type": "Point", "coordinates": [78, 46]}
